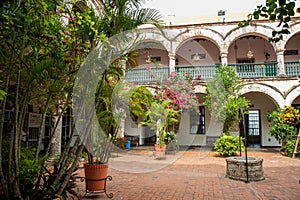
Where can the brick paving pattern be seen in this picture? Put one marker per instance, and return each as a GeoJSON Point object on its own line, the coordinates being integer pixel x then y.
{"type": "Point", "coordinates": [198, 175]}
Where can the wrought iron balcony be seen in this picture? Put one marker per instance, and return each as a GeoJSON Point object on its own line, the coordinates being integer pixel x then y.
{"type": "Point", "coordinates": [292, 68]}
{"type": "Point", "coordinates": [256, 70]}
{"type": "Point", "coordinates": [206, 72]}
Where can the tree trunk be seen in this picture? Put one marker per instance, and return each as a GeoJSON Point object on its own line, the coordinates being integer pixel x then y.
{"type": "Point", "coordinates": [16, 149]}
{"type": "Point", "coordinates": [72, 168]}
{"type": "Point", "coordinates": [3, 181]}
{"type": "Point", "coordinates": [42, 126]}
{"type": "Point", "coordinates": [55, 144]}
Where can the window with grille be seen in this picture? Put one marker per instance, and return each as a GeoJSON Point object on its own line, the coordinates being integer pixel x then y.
{"type": "Point", "coordinates": [253, 123]}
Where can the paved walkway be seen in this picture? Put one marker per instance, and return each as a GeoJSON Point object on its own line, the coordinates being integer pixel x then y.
{"type": "Point", "coordinates": [197, 174]}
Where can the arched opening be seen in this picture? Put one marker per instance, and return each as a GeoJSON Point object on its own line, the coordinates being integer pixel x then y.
{"type": "Point", "coordinates": [252, 56]}
{"type": "Point", "coordinates": [251, 49]}
{"type": "Point", "coordinates": [292, 55]}
{"type": "Point", "coordinates": [198, 51]}
{"type": "Point", "coordinates": [148, 61]}
{"type": "Point", "coordinates": [257, 125]}
{"type": "Point", "coordinates": [151, 53]}
{"type": "Point", "coordinates": [198, 57]}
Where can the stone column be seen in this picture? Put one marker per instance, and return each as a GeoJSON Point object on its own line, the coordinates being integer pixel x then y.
{"type": "Point", "coordinates": [224, 59]}
{"type": "Point", "coordinates": [172, 63]}
{"type": "Point", "coordinates": [280, 61]}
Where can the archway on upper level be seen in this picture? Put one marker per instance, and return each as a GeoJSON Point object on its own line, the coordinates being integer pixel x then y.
{"type": "Point", "coordinates": [292, 48]}
{"type": "Point", "coordinates": [251, 48]}
{"type": "Point", "coordinates": [292, 55]}
{"type": "Point", "coordinates": [198, 51]}
{"type": "Point", "coordinates": [148, 53]}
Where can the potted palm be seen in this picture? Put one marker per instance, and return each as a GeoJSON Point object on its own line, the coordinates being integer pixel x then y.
{"type": "Point", "coordinates": [171, 141]}
{"type": "Point", "coordinates": [159, 117]}
{"type": "Point", "coordinates": [100, 141]}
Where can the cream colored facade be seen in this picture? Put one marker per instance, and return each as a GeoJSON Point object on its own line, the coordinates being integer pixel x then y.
{"type": "Point", "coordinates": [271, 73]}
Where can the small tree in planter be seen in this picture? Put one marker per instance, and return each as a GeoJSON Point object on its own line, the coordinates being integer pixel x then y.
{"type": "Point", "coordinates": [171, 141]}
{"type": "Point", "coordinates": [223, 99]}
{"type": "Point", "coordinates": [160, 117]}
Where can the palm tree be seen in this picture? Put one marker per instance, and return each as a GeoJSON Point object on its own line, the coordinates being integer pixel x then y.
{"type": "Point", "coordinates": [116, 17]}
{"type": "Point", "coordinates": [122, 15]}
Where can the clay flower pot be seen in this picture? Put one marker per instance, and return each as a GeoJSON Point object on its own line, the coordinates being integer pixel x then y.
{"type": "Point", "coordinates": [160, 151]}
{"type": "Point", "coordinates": [95, 176]}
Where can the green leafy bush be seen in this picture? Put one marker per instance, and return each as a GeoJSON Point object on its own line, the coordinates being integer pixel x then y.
{"type": "Point", "coordinates": [289, 148]}
{"type": "Point", "coordinates": [283, 123]}
{"type": "Point", "coordinates": [228, 145]}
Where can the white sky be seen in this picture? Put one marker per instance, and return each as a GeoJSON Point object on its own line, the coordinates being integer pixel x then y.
{"type": "Point", "coordinates": [187, 8]}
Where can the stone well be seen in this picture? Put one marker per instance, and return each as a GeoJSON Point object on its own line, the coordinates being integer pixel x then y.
{"type": "Point", "coordinates": [236, 168]}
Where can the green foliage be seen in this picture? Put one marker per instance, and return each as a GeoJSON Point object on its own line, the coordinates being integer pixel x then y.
{"type": "Point", "coordinates": [119, 16]}
{"type": "Point", "coordinates": [139, 102]}
{"type": "Point", "coordinates": [228, 145]}
{"type": "Point", "coordinates": [223, 98]}
{"type": "Point", "coordinates": [45, 43]}
{"type": "Point", "coordinates": [289, 148]}
{"type": "Point", "coordinates": [84, 155]}
{"type": "Point", "coordinates": [170, 136]}
{"type": "Point", "coordinates": [274, 10]}
{"type": "Point", "coordinates": [29, 169]}
{"type": "Point", "coordinates": [283, 122]}
{"type": "Point", "coordinates": [160, 117]}
{"type": "Point", "coordinates": [2, 92]}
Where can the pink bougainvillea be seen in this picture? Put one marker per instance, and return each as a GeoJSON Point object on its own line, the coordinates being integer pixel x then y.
{"type": "Point", "coordinates": [179, 89]}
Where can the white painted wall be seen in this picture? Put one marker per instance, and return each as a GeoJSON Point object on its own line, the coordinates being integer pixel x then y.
{"type": "Point", "coordinates": [131, 128]}
{"type": "Point", "coordinates": [184, 137]}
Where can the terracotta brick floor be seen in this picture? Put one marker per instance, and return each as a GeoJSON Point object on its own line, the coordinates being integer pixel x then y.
{"type": "Point", "coordinates": [196, 174]}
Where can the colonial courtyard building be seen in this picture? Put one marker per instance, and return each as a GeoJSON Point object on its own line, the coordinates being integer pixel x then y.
{"type": "Point", "coordinates": [270, 72]}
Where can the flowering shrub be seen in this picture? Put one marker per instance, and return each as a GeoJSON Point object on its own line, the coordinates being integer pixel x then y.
{"type": "Point", "coordinates": [179, 90]}
{"type": "Point", "coordinates": [283, 123]}
{"type": "Point", "coordinates": [161, 109]}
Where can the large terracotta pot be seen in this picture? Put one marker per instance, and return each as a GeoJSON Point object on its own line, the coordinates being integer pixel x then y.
{"type": "Point", "coordinates": [160, 151]}
{"type": "Point", "coordinates": [95, 176]}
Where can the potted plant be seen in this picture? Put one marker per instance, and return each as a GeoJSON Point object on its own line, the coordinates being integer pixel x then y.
{"type": "Point", "coordinates": [159, 117]}
{"type": "Point", "coordinates": [171, 141]}
{"type": "Point", "coordinates": [96, 169]}
{"type": "Point", "coordinates": [99, 142]}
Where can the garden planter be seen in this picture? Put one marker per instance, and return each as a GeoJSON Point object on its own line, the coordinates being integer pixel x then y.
{"type": "Point", "coordinates": [95, 177]}
{"type": "Point", "coordinates": [160, 151]}
{"type": "Point", "coordinates": [172, 147]}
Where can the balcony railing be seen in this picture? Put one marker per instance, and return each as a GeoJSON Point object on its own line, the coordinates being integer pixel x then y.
{"type": "Point", "coordinates": [248, 70]}
{"type": "Point", "coordinates": [292, 68]}
{"type": "Point", "coordinates": [147, 74]}
{"type": "Point", "coordinates": [198, 72]}
{"type": "Point", "coordinates": [256, 70]}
